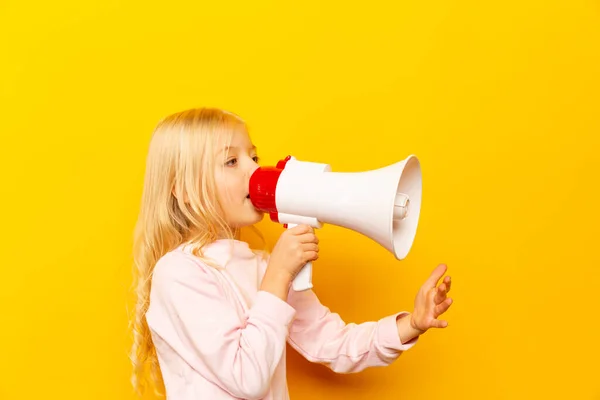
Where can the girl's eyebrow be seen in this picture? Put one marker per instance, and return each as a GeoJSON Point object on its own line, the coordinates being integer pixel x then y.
{"type": "Point", "coordinates": [227, 148]}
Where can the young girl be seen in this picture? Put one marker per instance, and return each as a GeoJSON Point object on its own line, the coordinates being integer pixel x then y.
{"type": "Point", "coordinates": [213, 316]}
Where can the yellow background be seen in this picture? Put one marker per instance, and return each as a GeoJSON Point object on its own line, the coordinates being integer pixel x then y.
{"type": "Point", "coordinates": [499, 100]}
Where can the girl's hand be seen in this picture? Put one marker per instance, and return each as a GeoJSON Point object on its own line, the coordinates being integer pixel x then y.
{"type": "Point", "coordinates": [295, 247]}
{"type": "Point", "coordinates": [431, 302]}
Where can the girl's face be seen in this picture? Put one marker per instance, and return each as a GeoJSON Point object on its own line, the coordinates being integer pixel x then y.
{"type": "Point", "coordinates": [235, 162]}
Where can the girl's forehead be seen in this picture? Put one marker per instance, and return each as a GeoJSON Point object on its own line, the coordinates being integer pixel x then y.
{"type": "Point", "coordinates": [238, 140]}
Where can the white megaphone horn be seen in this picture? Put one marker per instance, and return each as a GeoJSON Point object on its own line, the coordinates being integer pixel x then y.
{"type": "Point", "coordinates": [383, 204]}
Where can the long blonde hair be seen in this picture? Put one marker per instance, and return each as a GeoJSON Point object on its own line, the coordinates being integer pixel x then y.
{"type": "Point", "coordinates": [178, 205]}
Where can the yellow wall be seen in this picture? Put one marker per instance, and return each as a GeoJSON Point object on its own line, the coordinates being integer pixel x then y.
{"type": "Point", "coordinates": [499, 100]}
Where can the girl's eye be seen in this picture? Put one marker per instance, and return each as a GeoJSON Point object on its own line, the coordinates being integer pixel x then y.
{"type": "Point", "coordinates": [256, 159]}
{"type": "Point", "coordinates": [231, 162]}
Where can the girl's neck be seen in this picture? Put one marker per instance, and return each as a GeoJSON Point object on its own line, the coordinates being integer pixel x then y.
{"type": "Point", "coordinates": [234, 234]}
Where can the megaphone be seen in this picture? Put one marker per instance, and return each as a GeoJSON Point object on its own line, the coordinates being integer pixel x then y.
{"type": "Point", "coordinates": [383, 204]}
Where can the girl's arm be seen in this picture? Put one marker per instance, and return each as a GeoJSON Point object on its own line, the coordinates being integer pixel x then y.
{"type": "Point", "coordinates": [190, 311]}
{"type": "Point", "coordinates": [323, 337]}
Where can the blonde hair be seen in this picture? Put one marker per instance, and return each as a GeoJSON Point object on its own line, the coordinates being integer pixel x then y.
{"type": "Point", "coordinates": [179, 205]}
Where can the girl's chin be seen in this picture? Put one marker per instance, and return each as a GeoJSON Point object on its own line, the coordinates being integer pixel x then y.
{"type": "Point", "coordinates": [249, 221]}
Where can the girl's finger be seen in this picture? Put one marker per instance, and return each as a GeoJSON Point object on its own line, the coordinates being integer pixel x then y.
{"type": "Point", "coordinates": [440, 294]}
{"type": "Point", "coordinates": [447, 281]}
{"type": "Point", "coordinates": [442, 308]}
{"type": "Point", "coordinates": [310, 247]}
{"type": "Point", "coordinates": [308, 238]}
{"type": "Point", "coordinates": [436, 274]}
{"type": "Point", "coordinates": [301, 229]}
{"type": "Point", "coordinates": [436, 323]}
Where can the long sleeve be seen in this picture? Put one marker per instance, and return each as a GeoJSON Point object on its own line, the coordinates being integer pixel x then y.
{"type": "Point", "coordinates": [323, 337]}
{"type": "Point", "coordinates": [190, 311]}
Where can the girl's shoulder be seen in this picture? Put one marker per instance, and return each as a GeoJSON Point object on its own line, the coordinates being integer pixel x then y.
{"type": "Point", "coordinates": [181, 264]}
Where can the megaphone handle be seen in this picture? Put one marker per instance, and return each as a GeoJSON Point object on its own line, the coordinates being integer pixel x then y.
{"type": "Point", "coordinates": [303, 280]}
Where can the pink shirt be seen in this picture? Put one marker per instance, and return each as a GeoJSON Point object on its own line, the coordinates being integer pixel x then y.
{"type": "Point", "coordinates": [218, 336]}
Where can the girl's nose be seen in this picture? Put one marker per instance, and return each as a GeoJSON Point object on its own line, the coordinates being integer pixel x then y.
{"type": "Point", "coordinates": [253, 167]}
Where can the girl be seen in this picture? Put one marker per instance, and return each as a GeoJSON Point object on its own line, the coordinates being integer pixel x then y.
{"type": "Point", "coordinates": [213, 316]}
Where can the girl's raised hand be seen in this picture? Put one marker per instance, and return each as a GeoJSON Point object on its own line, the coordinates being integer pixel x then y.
{"type": "Point", "coordinates": [432, 301]}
